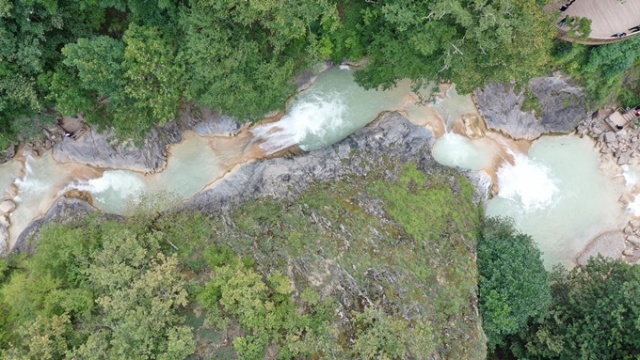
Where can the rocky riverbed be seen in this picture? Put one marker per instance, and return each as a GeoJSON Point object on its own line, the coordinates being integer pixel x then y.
{"type": "Point", "coordinates": [619, 150]}
{"type": "Point", "coordinates": [391, 139]}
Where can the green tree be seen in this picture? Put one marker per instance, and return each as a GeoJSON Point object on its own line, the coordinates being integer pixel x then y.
{"type": "Point", "coordinates": [595, 314]}
{"type": "Point", "coordinates": [467, 42]}
{"type": "Point", "coordinates": [153, 77]}
{"type": "Point", "coordinates": [242, 55]}
{"type": "Point", "coordinates": [513, 284]}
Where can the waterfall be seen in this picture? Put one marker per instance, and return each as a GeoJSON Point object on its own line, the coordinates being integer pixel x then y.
{"type": "Point", "coordinates": [318, 116]}
{"type": "Point", "coordinates": [527, 183]}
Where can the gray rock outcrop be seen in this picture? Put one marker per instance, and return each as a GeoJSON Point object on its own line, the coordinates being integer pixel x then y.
{"type": "Point", "coordinates": [562, 103]}
{"type": "Point", "coordinates": [63, 210]}
{"type": "Point", "coordinates": [387, 143]}
{"type": "Point", "coordinates": [101, 149]}
{"type": "Point", "coordinates": [392, 138]}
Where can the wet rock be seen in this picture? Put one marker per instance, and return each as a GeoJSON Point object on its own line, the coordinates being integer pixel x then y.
{"type": "Point", "coordinates": [64, 210]}
{"type": "Point", "coordinates": [4, 241]}
{"type": "Point", "coordinates": [207, 122]}
{"type": "Point", "coordinates": [102, 149]}
{"type": "Point", "coordinates": [7, 206]}
{"type": "Point", "coordinates": [624, 158]}
{"type": "Point", "coordinates": [609, 244]}
{"type": "Point", "coordinates": [392, 137]}
{"type": "Point", "coordinates": [563, 108]}
{"type": "Point", "coordinates": [4, 221]}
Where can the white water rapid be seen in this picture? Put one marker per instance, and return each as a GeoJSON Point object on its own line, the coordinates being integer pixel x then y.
{"type": "Point", "coordinates": [329, 111]}
{"type": "Point", "coordinates": [554, 191]}
{"type": "Point", "coordinates": [557, 195]}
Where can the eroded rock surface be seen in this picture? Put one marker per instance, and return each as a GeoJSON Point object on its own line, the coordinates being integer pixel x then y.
{"type": "Point", "coordinates": [392, 139]}
{"type": "Point", "coordinates": [562, 103]}
{"type": "Point", "coordinates": [101, 149]}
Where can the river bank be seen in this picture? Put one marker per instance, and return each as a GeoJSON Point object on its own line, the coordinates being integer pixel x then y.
{"type": "Point", "coordinates": [217, 157]}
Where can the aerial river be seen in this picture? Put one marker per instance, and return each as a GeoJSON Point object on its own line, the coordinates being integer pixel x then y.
{"type": "Point", "coordinates": [552, 187]}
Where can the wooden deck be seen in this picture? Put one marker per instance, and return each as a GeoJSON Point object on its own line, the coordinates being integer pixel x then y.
{"type": "Point", "coordinates": [608, 17]}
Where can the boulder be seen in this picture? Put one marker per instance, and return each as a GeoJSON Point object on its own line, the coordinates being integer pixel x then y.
{"type": "Point", "coordinates": [609, 137]}
{"type": "Point", "coordinates": [635, 223]}
{"type": "Point", "coordinates": [624, 158]}
{"type": "Point", "coordinates": [633, 240]}
{"type": "Point", "coordinates": [563, 108]}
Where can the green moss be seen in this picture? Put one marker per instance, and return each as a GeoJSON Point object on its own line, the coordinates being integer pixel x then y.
{"type": "Point", "coordinates": [531, 103]}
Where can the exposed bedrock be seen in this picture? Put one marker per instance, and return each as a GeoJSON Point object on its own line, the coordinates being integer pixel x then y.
{"type": "Point", "coordinates": [562, 104]}
{"type": "Point", "coordinates": [387, 144]}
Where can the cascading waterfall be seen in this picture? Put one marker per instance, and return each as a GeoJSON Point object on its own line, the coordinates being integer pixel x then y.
{"type": "Point", "coordinates": [527, 183]}
{"type": "Point", "coordinates": [329, 111]}
{"type": "Point", "coordinates": [318, 116]}
{"type": "Point", "coordinates": [557, 195]}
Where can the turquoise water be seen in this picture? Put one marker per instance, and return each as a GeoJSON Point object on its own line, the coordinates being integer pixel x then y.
{"type": "Point", "coordinates": [558, 195]}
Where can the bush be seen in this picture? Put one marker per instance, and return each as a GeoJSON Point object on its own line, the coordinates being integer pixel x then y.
{"type": "Point", "coordinates": [514, 286]}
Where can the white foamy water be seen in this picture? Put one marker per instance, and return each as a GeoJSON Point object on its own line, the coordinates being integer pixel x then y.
{"type": "Point", "coordinates": [634, 206]}
{"type": "Point", "coordinates": [43, 181]}
{"type": "Point", "coordinates": [558, 196]}
{"type": "Point", "coordinates": [527, 183]}
{"type": "Point", "coordinates": [115, 191]}
{"type": "Point", "coordinates": [329, 111]}
{"type": "Point", "coordinates": [9, 172]}
{"type": "Point", "coordinates": [631, 176]}
{"type": "Point", "coordinates": [192, 165]}
{"type": "Point", "coordinates": [456, 150]}
{"type": "Point", "coordinates": [317, 116]}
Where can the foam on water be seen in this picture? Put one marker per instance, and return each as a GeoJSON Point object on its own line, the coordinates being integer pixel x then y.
{"type": "Point", "coordinates": [319, 115]}
{"type": "Point", "coordinates": [456, 150]}
{"type": "Point", "coordinates": [634, 206]}
{"type": "Point", "coordinates": [329, 111]}
{"type": "Point", "coordinates": [193, 165]}
{"type": "Point", "coordinates": [527, 183]}
{"type": "Point", "coordinates": [558, 196]}
{"type": "Point", "coordinates": [41, 184]}
{"type": "Point", "coordinates": [115, 190]}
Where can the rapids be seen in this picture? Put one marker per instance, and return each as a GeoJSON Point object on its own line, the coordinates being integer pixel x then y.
{"type": "Point", "coordinates": [554, 190]}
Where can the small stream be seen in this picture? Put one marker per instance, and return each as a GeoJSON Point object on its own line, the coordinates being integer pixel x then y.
{"type": "Point", "coordinates": [554, 190]}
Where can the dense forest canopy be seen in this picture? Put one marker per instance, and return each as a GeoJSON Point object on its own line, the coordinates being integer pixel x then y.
{"type": "Point", "coordinates": [132, 64]}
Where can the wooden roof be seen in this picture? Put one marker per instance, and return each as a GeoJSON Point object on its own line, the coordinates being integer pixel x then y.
{"type": "Point", "coordinates": [608, 17]}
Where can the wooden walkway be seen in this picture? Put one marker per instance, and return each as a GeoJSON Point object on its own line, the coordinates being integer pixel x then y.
{"type": "Point", "coordinates": [608, 17]}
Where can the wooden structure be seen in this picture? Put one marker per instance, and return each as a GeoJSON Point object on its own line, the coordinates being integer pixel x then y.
{"type": "Point", "coordinates": [620, 118]}
{"type": "Point", "coordinates": [608, 17]}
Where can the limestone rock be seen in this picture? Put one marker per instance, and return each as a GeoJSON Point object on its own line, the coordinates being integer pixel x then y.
{"type": "Point", "coordinates": [609, 244]}
{"type": "Point", "coordinates": [563, 107]}
{"type": "Point", "coordinates": [391, 136]}
{"type": "Point", "coordinates": [4, 241]}
{"type": "Point", "coordinates": [7, 206]}
{"type": "Point", "coordinates": [609, 137]}
{"type": "Point", "coordinates": [635, 223]}
{"type": "Point", "coordinates": [4, 221]}
{"type": "Point", "coordinates": [624, 158]}
{"type": "Point", "coordinates": [633, 240]}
